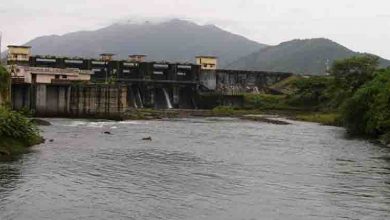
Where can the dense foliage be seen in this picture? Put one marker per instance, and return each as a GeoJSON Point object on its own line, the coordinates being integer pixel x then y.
{"type": "Point", "coordinates": [4, 83]}
{"type": "Point", "coordinates": [368, 110]}
{"type": "Point", "coordinates": [356, 89]}
{"type": "Point", "coordinates": [16, 130]}
{"type": "Point", "coordinates": [311, 92]}
{"type": "Point", "coordinates": [15, 125]}
{"type": "Point", "coordinates": [350, 74]}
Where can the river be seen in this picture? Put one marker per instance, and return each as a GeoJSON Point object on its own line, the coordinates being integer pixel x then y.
{"type": "Point", "coordinates": [203, 168]}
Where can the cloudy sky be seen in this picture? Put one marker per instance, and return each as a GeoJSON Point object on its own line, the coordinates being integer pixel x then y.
{"type": "Point", "coordinates": [361, 25]}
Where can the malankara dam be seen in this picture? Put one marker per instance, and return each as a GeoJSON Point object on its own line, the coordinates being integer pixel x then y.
{"type": "Point", "coordinates": [82, 87]}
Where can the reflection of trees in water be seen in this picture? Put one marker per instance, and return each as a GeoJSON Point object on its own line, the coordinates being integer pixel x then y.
{"type": "Point", "coordinates": [10, 173]}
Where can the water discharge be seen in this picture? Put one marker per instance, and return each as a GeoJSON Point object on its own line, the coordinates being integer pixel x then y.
{"type": "Point", "coordinates": [196, 169]}
{"type": "Point", "coordinates": [167, 99]}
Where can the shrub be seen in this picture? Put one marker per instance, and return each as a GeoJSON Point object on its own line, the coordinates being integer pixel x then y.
{"type": "Point", "coordinates": [368, 111]}
{"type": "Point", "coordinates": [264, 101]}
{"type": "Point", "coordinates": [15, 125]}
{"type": "Point", "coordinates": [311, 92]}
{"type": "Point", "coordinates": [4, 84]}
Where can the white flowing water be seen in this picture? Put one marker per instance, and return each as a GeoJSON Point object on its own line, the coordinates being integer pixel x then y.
{"type": "Point", "coordinates": [167, 99]}
{"type": "Point", "coordinates": [139, 99]}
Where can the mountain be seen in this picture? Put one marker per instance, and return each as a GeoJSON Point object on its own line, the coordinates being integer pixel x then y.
{"type": "Point", "coordinates": [310, 56]}
{"type": "Point", "coordinates": [175, 40]}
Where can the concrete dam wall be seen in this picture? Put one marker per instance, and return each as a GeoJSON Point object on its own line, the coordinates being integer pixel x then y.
{"type": "Point", "coordinates": [98, 100]}
{"type": "Point", "coordinates": [232, 82]}
{"type": "Point", "coordinates": [70, 100]}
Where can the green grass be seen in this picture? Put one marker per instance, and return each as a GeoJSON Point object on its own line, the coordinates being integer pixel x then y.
{"type": "Point", "coordinates": [322, 118]}
{"type": "Point", "coordinates": [224, 111]}
{"type": "Point", "coordinates": [286, 86]}
{"type": "Point", "coordinates": [266, 102]}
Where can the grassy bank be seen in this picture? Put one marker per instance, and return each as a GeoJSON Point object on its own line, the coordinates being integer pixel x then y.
{"type": "Point", "coordinates": [322, 118]}
{"type": "Point", "coordinates": [13, 146]}
{"type": "Point", "coordinates": [287, 106]}
{"type": "Point", "coordinates": [243, 113]}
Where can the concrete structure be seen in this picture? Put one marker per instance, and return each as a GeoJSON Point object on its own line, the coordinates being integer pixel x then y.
{"type": "Point", "coordinates": [137, 58]}
{"type": "Point", "coordinates": [107, 56]}
{"type": "Point", "coordinates": [107, 87]}
{"type": "Point", "coordinates": [108, 101]}
{"type": "Point", "coordinates": [18, 54]}
{"type": "Point", "coordinates": [208, 79]}
{"type": "Point", "coordinates": [45, 75]}
{"type": "Point", "coordinates": [207, 62]}
{"type": "Point", "coordinates": [150, 84]}
{"type": "Point", "coordinates": [232, 82]}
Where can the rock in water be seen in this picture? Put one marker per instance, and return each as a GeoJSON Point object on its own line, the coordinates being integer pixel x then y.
{"type": "Point", "coordinates": [147, 139]}
{"type": "Point", "coordinates": [40, 122]}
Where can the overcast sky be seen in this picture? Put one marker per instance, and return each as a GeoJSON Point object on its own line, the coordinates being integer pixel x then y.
{"type": "Point", "coordinates": [362, 25]}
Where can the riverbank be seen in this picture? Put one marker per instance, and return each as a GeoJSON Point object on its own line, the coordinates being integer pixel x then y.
{"type": "Point", "coordinates": [17, 133]}
{"type": "Point", "coordinates": [269, 116]}
{"type": "Point", "coordinates": [254, 114]}
{"type": "Point", "coordinates": [11, 146]}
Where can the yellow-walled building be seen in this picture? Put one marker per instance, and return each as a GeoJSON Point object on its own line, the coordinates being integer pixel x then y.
{"type": "Point", "coordinates": [207, 62]}
{"type": "Point", "coordinates": [18, 53]}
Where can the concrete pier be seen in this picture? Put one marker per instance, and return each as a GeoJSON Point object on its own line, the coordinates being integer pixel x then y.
{"type": "Point", "coordinates": [71, 100]}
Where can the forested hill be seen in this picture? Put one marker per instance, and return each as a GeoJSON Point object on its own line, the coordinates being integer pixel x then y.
{"type": "Point", "coordinates": [311, 56]}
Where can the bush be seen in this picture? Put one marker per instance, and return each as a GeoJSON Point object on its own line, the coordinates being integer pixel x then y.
{"type": "Point", "coordinates": [264, 101]}
{"type": "Point", "coordinates": [368, 111]}
{"type": "Point", "coordinates": [15, 125]}
{"type": "Point", "coordinates": [353, 72]}
{"type": "Point", "coordinates": [5, 78]}
{"type": "Point", "coordinates": [311, 92]}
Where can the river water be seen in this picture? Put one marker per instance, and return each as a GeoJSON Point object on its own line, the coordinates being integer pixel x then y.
{"type": "Point", "coordinates": [196, 169]}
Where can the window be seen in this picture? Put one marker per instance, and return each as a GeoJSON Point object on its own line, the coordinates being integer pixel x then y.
{"type": "Point", "coordinates": [64, 76]}
{"type": "Point", "coordinates": [57, 76]}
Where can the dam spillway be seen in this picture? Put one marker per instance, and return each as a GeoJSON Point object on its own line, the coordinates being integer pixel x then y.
{"type": "Point", "coordinates": [78, 87]}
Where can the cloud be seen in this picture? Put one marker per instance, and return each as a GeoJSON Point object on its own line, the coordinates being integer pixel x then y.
{"type": "Point", "coordinates": [264, 21]}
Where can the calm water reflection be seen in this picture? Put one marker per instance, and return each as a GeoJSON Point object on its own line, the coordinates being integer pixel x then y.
{"type": "Point", "coordinates": [196, 169]}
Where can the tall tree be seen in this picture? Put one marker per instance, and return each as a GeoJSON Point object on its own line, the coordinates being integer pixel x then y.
{"type": "Point", "coordinates": [352, 73]}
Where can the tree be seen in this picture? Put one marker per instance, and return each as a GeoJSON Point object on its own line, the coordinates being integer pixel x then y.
{"type": "Point", "coordinates": [311, 92]}
{"type": "Point", "coordinates": [5, 80]}
{"type": "Point", "coordinates": [367, 112]}
{"type": "Point", "coordinates": [351, 73]}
